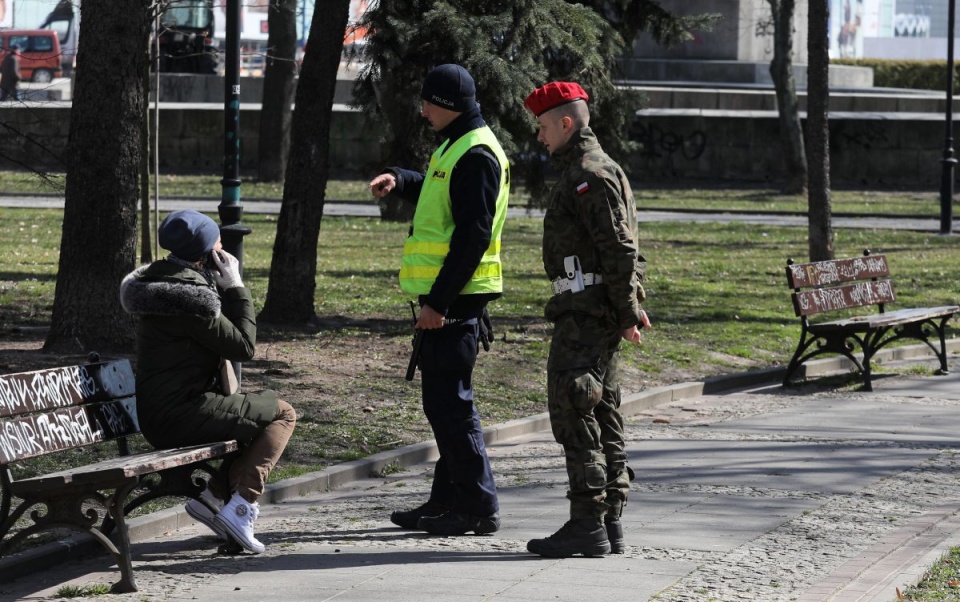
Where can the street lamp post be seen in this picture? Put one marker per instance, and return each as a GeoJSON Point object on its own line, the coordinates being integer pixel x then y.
{"type": "Point", "coordinates": [230, 209]}
{"type": "Point", "coordinates": [948, 161]}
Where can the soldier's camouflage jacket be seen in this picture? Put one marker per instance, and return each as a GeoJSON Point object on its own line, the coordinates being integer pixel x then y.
{"type": "Point", "coordinates": [591, 213]}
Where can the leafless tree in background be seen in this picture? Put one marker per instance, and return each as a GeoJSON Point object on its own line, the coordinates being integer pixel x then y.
{"type": "Point", "coordinates": [818, 132]}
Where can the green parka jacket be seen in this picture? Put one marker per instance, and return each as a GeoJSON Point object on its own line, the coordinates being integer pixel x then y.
{"type": "Point", "coordinates": [184, 326]}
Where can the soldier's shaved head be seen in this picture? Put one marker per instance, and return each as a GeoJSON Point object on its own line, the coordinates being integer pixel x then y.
{"type": "Point", "coordinates": [576, 110]}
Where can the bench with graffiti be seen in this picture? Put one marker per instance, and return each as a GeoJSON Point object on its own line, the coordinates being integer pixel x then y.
{"type": "Point", "coordinates": [46, 417]}
{"type": "Point", "coordinates": [839, 285]}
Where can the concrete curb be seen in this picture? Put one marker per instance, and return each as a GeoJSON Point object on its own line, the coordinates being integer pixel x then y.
{"type": "Point", "coordinates": [901, 557]}
{"type": "Point", "coordinates": [171, 519]}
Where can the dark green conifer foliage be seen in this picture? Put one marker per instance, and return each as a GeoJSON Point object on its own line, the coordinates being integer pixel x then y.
{"type": "Point", "coordinates": [631, 17]}
{"type": "Point", "coordinates": [510, 47]}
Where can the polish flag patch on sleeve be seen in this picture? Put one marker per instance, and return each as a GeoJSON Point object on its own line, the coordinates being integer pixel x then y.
{"type": "Point", "coordinates": [583, 188]}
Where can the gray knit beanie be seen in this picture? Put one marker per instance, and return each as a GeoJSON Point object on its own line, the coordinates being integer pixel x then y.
{"type": "Point", "coordinates": [188, 234]}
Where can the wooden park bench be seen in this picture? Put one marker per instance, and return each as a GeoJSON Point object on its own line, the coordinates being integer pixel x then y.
{"type": "Point", "coordinates": [845, 284]}
{"type": "Point", "coordinates": [57, 411]}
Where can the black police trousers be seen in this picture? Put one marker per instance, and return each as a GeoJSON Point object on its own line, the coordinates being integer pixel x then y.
{"type": "Point", "coordinates": [462, 479]}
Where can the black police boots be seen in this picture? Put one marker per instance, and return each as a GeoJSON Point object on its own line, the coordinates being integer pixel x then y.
{"type": "Point", "coordinates": [585, 536]}
{"type": "Point", "coordinates": [459, 523]}
{"type": "Point", "coordinates": [408, 519]}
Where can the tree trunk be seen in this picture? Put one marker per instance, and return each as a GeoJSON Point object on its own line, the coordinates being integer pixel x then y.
{"type": "Point", "coordinates": [98, 242]}
{"type": "Point", "coordinates": [278, 87]}
{"type": "Point", "coordinates": [146, 237]}
{"type": "Point", "coordinates": [781, 70]}
{"type": "Point", "coordinates": [818, 133]}
{"type": "Point", "coordinates": [293, 269]}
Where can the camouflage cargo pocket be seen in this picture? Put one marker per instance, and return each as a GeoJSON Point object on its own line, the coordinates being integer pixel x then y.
{"type": "Point", "coordinates": [572, 346]}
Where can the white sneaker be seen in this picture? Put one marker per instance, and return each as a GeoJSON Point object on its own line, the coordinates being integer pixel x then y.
{"type": "Point", "coordinates": [200, 513]}
{"type": "Point", "coordinates": [237, 518]}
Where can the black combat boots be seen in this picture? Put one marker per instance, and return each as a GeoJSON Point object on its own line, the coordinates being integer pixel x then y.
{"type": "Point", "coordinates": [614, 534]}
{"type": "Point", "coordinates": [584, 536]}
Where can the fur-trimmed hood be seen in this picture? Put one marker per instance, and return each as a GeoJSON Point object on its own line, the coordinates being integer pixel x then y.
{"type": "Point", "coordinates": [166, 289]}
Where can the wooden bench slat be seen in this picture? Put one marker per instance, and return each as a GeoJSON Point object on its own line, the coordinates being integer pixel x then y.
{"type": "Point", "coordinates": [66, 386]}
{"type": "Point", "coordinates": [119, 469]}
{"type": "Point", "coordinates": [38, 434]}
{"type": "Point", "coordinates": [847, 296]}
{"type": "Point", "coordinates": [892, 318]}
{"type": "Point", "coordinates": [837, 271]}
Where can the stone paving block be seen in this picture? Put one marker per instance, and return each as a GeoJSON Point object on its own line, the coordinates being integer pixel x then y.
{"type": "Point", "coordinates": [711, 533]}
{"type": "Point", "coordinates": [719, 506]}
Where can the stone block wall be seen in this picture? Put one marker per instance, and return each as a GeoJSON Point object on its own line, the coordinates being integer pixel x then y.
{"type": "Point", "coordinates": [191, 139]}
{"type": "Point", "coordinates": [870, 150]}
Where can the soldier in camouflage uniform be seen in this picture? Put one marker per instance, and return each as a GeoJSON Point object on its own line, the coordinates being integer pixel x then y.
{"type": "Point", "coordinates": [590, 255]}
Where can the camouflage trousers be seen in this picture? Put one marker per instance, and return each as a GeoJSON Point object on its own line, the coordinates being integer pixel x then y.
{"type": "Point", "coordinates": [583, 398]}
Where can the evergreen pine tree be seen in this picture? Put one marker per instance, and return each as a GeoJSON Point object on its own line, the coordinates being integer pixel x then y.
{"type": "Point", "coordinates": [631, 17]}
{"type": "Point", "coordinates": [509, 47]}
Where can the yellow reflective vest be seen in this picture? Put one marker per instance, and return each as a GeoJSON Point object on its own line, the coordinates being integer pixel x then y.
{"type": "Point", "coordinates": [429, 243]}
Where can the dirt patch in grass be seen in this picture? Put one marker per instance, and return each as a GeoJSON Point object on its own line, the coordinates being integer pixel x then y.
{"type": "Point", "coordinates": [346, 379]}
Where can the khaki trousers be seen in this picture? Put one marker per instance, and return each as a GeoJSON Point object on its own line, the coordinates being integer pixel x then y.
{"type": "Point", "coordinates": [249, 471]}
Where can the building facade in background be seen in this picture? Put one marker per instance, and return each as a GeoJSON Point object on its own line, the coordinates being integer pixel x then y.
{"type": "Point", "coordinates": [901, 29]}
{"type": "Point", "coordinates": [888, 29]}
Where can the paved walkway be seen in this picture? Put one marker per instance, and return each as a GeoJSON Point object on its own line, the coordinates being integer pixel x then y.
{"type": "Point", "coordinates": [756, 493]}
{"type": "Point", "coordinates": [361, 209]}
{"type": "Point", "coordinates": [750, 494]}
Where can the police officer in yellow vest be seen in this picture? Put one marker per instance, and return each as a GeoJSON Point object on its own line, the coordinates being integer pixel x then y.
{"type": "Point", "coordinates": [451, 261]}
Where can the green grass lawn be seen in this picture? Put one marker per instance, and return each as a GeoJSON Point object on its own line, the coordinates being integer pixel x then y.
{"type": "Point", "coordinates": [717, 297]}
{"type": "Point", "coordinates": [717, 292]}
{"type": "Point", "coordinates": [940, 583]}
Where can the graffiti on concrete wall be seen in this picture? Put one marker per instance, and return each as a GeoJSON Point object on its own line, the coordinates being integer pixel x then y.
{"type": "Point", "coordinates": [858, 136]}
{"type": "Point", "coordinates": [657, 143]}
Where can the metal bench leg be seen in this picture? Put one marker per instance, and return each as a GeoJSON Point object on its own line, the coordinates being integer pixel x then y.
{"type": "Point", "coordinates": [923, 331]}
{"type": "Point", "coordinates": [867, 382]}
{"type": "Point", "coordinates": [797, 360]}
{"type": "Point", "coordinates": [127, 581]}
{"type": "Point", "coordinates": [791, 368]}
{"type": "Point", "coordinates": [838, 343]}
{"type": "Point", "coordinates": [942, 356]}
{"type": "Point", "coordinates": [871, 343]}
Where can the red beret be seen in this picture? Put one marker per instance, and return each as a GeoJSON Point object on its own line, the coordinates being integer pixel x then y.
{"type": "Point", "coordinates": [553, 95]}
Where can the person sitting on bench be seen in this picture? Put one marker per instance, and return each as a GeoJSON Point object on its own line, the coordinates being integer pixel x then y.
{"type": "Point", "coordinates": [192, 311]}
